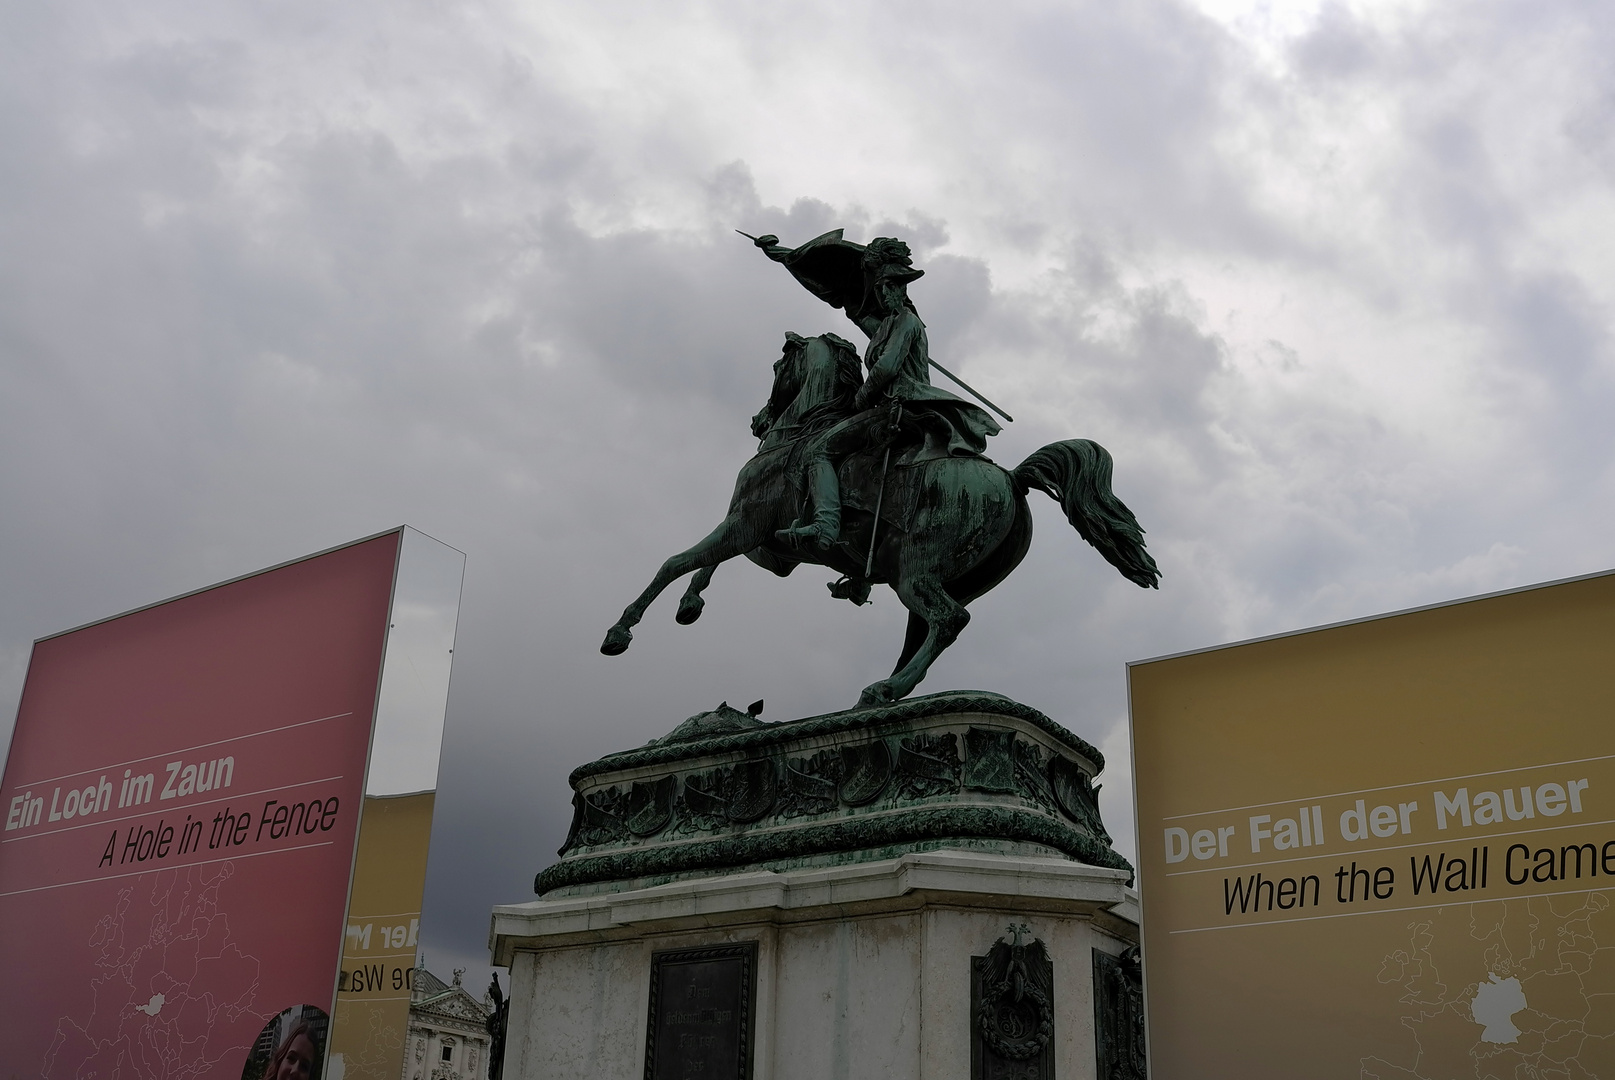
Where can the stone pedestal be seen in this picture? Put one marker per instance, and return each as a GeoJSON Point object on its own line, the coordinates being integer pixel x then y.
{"type": "Point", "coordinates": [891, 894]}
{"type": "Point", "coordinates": [862, 971]}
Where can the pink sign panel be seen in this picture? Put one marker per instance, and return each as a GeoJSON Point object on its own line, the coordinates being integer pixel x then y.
{"type": "Point", "coordinates": [180, 807]}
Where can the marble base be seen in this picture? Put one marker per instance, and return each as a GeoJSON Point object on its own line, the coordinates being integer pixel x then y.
{"type": "Point", "coordinates": [863, 970]}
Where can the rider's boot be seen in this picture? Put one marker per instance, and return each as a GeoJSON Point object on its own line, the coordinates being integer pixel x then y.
{"type": "Point", "coordinates": [825, 528]}
{"type": "Point", "coordinates": [855, 589]}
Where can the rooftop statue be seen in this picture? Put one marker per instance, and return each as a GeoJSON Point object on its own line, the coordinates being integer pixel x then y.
{"type": "Point", "coordinates": [874, 472]}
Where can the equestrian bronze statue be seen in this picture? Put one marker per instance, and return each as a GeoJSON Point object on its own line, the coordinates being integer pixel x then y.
{"type": "Point", "coordinates": [872, 471]}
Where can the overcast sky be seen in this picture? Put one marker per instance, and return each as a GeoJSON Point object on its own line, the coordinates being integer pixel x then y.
{"type": "Point", "coordinates": [1331, 281]}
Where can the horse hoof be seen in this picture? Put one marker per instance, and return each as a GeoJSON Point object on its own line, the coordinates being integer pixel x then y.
{"type": "Point", "coordinates": [876, 694]}
{"type": "Point", "coordinates": [689, 610]}
{"type": "Point", "coordinates": [617, 639]}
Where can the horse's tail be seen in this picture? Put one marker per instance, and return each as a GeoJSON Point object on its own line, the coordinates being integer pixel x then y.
{"type": "Point", "coordinates": [1076, 474]}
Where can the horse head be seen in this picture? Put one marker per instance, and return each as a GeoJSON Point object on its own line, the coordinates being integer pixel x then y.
{"type": "Point", "coordinates": [815, 378]}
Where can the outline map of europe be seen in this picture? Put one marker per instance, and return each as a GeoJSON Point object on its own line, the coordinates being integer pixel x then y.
{"type": "Point", "coordinates": [165, 935]}
{"type": "Point", "coordinates": [1512, 989]}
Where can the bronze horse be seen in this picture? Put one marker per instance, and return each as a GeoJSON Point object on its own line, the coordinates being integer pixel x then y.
{"type": "Point", "coordinates": [947, 528]}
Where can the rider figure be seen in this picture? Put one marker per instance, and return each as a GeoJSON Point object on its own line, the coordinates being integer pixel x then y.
{"type": "Point", "coordinates": [897, 391]}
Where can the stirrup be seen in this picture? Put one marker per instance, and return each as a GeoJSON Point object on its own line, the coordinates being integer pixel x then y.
{"type": "Point", "coordinates": [850, 588]}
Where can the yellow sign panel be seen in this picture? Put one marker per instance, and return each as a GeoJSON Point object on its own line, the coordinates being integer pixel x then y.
{"type": "Point", "coordinates": [378, 955]}
{"type": "Point", "coordinates": [1385, 849]}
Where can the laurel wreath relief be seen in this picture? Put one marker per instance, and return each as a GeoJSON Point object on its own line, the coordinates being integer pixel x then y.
{"type": "Point", "coordinates": [1015, 1016]}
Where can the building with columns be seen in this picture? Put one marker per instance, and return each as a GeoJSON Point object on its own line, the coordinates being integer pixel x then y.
{"type": "Point", "coordinates": [448, 1030]}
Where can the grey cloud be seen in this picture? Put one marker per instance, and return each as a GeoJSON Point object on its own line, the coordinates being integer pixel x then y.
{"type": "Point", "coordinates": [1338, 45]}
{"type": "Point", "coordinates": [275, 277]}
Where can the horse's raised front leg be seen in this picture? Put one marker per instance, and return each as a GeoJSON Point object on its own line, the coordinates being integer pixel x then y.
{"type": "Point", "coordinates": [944, 617]}
{"type": "Point", "coordinates": [690, 604]}
{"type": "Point", "coordinates": [729, 539]}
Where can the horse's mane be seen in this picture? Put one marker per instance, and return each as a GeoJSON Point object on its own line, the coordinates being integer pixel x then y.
{"type": "Point", "coordinates": [788, 417]}
{"type": "Point", "coordinates": [849, 368]}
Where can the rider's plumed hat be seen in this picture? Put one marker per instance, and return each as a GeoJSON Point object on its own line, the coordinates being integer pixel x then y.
{"type": "Point", "coordinates": [888, 259]}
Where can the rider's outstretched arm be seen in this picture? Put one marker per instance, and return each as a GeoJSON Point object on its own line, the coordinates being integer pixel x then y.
{"type": "Point", "coordinates": [769, 245]}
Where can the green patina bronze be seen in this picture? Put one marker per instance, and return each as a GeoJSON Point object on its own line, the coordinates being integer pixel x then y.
{"type": "Point", "coordinates": [725, 730]}
{"type": "Point", "coordinates": [876, 473]}
{"type": "Point", "coordinates": [725, 791]}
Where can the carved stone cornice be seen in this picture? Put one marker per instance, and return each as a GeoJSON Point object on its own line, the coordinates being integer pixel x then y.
{"type": "Point", "coordinates": [969, 770]}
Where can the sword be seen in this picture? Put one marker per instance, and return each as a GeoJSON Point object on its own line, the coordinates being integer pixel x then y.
{"type": "Point", "coordinates": [972, 390]}
{"type": "Point", "coordinates": [874, 526]}
{"type": "Point", "coordinates": [880, 497]}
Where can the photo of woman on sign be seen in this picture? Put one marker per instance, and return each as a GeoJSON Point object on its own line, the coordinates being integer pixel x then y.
{"type": "Point", "coordinates": [290, 1047]}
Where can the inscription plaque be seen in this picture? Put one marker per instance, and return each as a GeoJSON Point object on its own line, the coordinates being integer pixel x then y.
{"type": "Point", "coordinates": [701, 1003]}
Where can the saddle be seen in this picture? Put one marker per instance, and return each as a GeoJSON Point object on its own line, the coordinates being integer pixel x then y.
{"type": "Point", "coordinates": [860, 476]}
